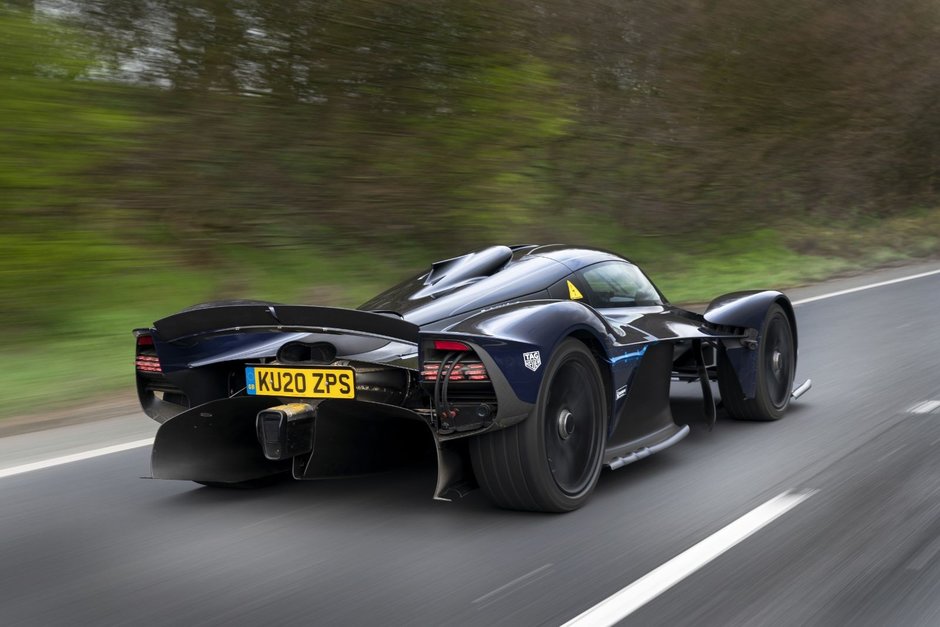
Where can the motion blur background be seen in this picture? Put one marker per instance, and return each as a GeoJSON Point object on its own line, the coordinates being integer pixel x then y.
{"type": "Point", "coordinates": [158, 153]}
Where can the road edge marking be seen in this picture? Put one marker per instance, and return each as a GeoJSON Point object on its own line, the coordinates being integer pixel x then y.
{"type": "Point", "coordinates": [862, 288]}
{"type": "Point", "coordinates": [627, 600]}
{"type": "Point", "coordinates": [925, 407]}
{"type": "Point", "coordinates": [74, 457]}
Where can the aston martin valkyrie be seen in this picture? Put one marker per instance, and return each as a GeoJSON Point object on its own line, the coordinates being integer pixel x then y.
{"type": "Point", "coordinates": [522, 370]}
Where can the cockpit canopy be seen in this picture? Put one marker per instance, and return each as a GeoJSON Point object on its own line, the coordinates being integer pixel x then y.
{"type": "Point", "coordinates": [501, 273]}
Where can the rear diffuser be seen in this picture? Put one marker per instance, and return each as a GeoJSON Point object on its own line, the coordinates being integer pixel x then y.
{"type": "Point", "coordinates": [215, 442]}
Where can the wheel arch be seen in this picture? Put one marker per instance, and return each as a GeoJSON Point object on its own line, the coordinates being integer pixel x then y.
{"type": "Point", "coordinates": [597, 349]}
{"type": "Point", "coordinates": [748, 309]}
{"type": "Point", "coordinates": [525, 465]}
{"type": "Point", "coordinates": [507, 333]}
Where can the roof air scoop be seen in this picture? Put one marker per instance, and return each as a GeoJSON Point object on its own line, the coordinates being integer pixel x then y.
{"type": "Point", "coordinates": [451, 273]}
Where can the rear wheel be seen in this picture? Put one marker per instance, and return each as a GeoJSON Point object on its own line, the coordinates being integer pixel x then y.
{"type": "Point", "coordinates": [776, 367]}
{"type": "Point", "coordinates": [550, 461]}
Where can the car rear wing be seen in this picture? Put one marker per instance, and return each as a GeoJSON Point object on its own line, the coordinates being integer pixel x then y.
{"type": "Point", "coordinates": [246, 318]}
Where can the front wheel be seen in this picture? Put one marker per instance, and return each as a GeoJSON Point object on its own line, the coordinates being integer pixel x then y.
{"type": "Point", "coordinates": [550, 461]}
{"type": "Point", "coordinates": [776, 367]}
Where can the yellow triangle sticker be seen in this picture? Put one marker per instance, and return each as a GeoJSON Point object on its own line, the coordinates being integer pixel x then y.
{"type": "Point", "coordinates": [573, 292]}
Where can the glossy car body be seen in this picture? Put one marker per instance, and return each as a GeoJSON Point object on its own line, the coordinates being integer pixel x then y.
{"type": "Point", "coordinates": [448, 359]}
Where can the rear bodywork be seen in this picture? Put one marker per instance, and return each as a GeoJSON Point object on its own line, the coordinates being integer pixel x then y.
{"type": "Point", "coordinates": [455, 352]}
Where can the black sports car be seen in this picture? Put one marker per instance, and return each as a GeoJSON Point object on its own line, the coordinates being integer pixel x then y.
{"type": "Point", "coordinates": [526, 369]}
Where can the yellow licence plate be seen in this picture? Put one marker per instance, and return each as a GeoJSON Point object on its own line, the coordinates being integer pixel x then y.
{"type": "Point", "coordinates": [301, 382]}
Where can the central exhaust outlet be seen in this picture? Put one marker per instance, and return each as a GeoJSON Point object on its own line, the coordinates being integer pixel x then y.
{"type": "Point", "coordinates": [286, 431]}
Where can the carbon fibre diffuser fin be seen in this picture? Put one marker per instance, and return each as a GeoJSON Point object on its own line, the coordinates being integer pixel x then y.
{"type": "Point", "coordinates": [214, 442]}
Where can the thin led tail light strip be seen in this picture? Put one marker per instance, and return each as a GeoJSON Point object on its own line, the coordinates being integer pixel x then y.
{"type": "Point", "coordinates": [465, 371]}
{"type": "Point", "coordinates": [148, 363]}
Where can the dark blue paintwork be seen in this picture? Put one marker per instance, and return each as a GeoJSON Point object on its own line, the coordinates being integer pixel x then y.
{"type": "Point", "coordinates": [526, 277]}
{"type": "Point", "coordinates": [221, 348]}
{"type": "Point", "coordinates": [747, 309]}
{"type": "Point", "coordinates": [509, 331]}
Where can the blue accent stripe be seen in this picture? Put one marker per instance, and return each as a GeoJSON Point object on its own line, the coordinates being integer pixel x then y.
{"type": "Point", "coordinates": [625, 356]}
{"type": "Point", "coordinates": [250, 381]}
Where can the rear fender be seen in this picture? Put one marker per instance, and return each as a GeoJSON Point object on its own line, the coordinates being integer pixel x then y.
{"type": "Point", "coordinates": [518, 340]}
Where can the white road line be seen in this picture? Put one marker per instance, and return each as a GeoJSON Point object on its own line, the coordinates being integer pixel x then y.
{"type": "Point", "coordinates": [515, 581]}
{"type": "Point", "coordinates": [866, 287]}
{"type": "Point", "coordinates": [925, 407]}
{"type": "Point", "coordinates": [892, 453]}
{"type": "Point", "coordinates": [75, 457]}
{"type": "Point", "coordinates": [623, 603]}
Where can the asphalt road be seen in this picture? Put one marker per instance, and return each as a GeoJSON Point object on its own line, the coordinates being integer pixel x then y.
{"type": "Point", "coordinates": [89, 542]}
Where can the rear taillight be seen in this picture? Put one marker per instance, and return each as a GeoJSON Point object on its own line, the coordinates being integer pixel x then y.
{"type": "Point", "coordinates": [463, 397]}
{"type": "Point", "coordinates": [146, 359]}
{"type": "Point", "coordinates": [148, 363]}
{"type": "Point", "coordinates": [463, 371]}
{"type": "Point", "coordinates": [451, 346]}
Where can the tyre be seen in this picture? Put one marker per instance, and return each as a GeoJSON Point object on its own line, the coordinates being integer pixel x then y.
{"type": "Point", "coordinates": [776, 367]}
{"type": "Point", "coordinates": [550, 461]}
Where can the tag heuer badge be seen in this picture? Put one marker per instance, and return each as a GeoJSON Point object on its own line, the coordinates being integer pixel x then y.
{"type": "Point", "coordinates": [532, 360]}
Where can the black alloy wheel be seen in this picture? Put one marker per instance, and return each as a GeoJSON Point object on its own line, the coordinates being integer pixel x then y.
{"type": "Point", "coordinates": [777, 358]}
{"type": "Point", "coordinates": [571, 430]}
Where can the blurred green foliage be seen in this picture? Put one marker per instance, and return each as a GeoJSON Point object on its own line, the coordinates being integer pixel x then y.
{"type": "Point", "coordinates": [157, 154]}
{"type": "Point", "coordinates": [56, 127]}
